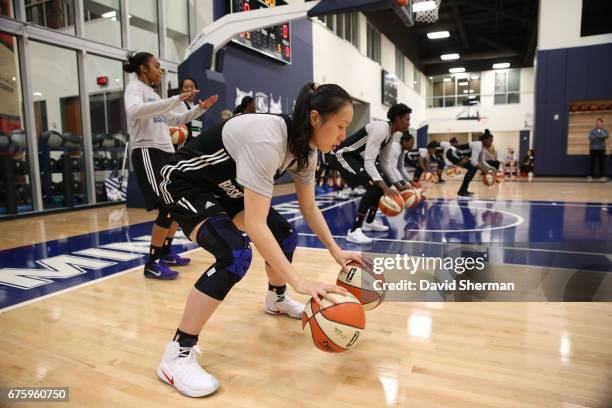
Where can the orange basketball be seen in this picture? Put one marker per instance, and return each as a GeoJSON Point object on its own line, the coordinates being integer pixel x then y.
{"type": "Point", "coordinates": [593, 107]}
{"type": "Point", "coordinates": [584, 107]}
{"type": "Point", "coordinates": [431, 177]}
{"type": "Point", "coordinates": [450, 171]}
{"type": "Point", "coordinates": [334, 327]}
{"type": "Point", "coordinates": [411, 199]}
{"type": "Point", "coordinates": [178, 134]}
{"type": "Point", "coordinates": [573, 107]}
{"type": "Point", "coordinates": [359, 281]}
{"type": "Point", "coordinates": [602, 106]}
{"type": "Point", "coordinates": [421, 195]}
{"type": "Point", "coordinates": [391, 206]}
{"type": "Point", "coordinates": [488, 179]}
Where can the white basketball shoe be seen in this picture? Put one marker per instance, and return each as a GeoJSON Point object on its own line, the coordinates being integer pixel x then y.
{"type": "Point", "coordinates": [375, 225]}
{"type": "Point", "coordinates": [185, 373]}
{"type": "Point", "coordinates": [358, 237]}
{"type": "Point", "coordinates": [287, 306]}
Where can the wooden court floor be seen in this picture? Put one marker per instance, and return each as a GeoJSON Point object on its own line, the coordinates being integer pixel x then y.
{"type": "Point", "coordinates": [104, 340]}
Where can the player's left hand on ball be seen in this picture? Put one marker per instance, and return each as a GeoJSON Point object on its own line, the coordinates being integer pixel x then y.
{"type": "Point", "coordinates": [207, 103]}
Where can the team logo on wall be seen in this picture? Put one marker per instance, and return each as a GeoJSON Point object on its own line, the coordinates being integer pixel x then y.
{"type": "Point", "coordinates": [261, 102]}
{"type": "Point", "coordinates": [276, 106]}
{"type": "Point", "coordinates": [241, 94]}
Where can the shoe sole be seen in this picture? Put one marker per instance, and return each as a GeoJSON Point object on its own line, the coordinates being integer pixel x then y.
{"type": "Point", "coordinates": [367, 229]}
{"type": "Point", "coordinates": [360, 243]}
{"type": "Point", "coordinates": [277, 313]}
{"type": "Point", "coordinates": [185, 392]}
{"type": "Point", "coordinates": [159, 277]}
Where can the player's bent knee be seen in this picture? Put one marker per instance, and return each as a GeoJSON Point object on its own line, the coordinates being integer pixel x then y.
{"type": "Point", "coordinates": [164, 219]}
{"type": "Point", "coordinates": [233, 255]}
{"type": "Point", "coordinates": [285, 234]}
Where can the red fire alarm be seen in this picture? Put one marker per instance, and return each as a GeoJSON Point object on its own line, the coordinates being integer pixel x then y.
{"type": "Point", "coordinates": [102, 80]}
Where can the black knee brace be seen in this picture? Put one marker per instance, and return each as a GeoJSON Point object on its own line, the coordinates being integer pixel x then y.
{"type": "Point", "coordinates": [230, 247]}
{"type": "Point", "coordinates": [283, 232]}
{"type": "Point", "coordinates": [163, 218]}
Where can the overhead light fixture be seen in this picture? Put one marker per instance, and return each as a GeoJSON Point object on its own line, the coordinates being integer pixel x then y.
{"type": "Point", "coordinates": [110, 14]}
{"type": "Point", "coordinates": [14, 79]}
{"type": "Point", "coordinates": [37, 93]}
{"type": "Point", "coordinates": [449, 57]}
{"type": "Point", "coordinates": [471, 91]}
{"type": "Point", "coordinates": [456, 70]}
{"type": "Point", "coordinates": [472, 97]}
{"type": "Point", "coordinates": [447, 79]}
{"type": "Point", "coordinates": [423, 6]}
{"type": "Point", "coordinates": [429, 77]}
{"type": "Point", "coordinates": [462, 83]}
{"type": "Point", "coordinates": [501, 65]}
{"type": "Point", "coordinates": [465, 91]}
{"type": "Point", "coordinates": [474, 77]}
{"type": "Point", "coordinates": [435, 35]}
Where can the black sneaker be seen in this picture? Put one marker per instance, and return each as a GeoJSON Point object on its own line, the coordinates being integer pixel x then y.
{"type": "Point", "coordinates": [464, 194]}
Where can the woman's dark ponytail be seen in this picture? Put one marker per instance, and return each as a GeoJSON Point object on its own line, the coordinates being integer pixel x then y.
{"type": "Point", "coordinates": [325, 99]}
{"type": "Point", "coordinates": [135, 60]}
{"type": "Point", "coordinates": [246, 101]}
{"type": "Point", "coordinates": [486, 135]}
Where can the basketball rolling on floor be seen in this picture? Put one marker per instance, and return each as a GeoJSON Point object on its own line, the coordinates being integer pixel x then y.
{"type": "Point", "coordinates": [77, 312]}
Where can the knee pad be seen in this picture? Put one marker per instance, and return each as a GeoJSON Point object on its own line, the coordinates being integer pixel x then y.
{"type": "Point", "coordinates": [285, 234]}
{"type": "Point", "coordinates": [163, 218]}
{"type": "Point", "coordinates": [232, 252]}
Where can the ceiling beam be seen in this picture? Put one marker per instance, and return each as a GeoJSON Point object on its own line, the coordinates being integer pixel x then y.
{"type": "Point", "coordinates": [474, 57]}
{"type": "Point", "coordinates": [491, 43]}
{"type": "Point", "coordinates": [459, 23]}
{"type": "Point", "coordinates": [479, 6]}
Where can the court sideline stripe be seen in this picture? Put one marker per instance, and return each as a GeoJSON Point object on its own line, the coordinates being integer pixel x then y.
{"type": "Point", "coordinates": [91, 282]}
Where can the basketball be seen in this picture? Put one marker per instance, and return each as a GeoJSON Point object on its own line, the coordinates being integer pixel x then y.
{"type": "Point", "coordinates": [573, 107]}
{"type": "Point", "coordinates": [411, 198]}
{"type": "Point", "coordinates": [593, 107]}
{"type": "Point", "coordinates": [500, 177]}
{"type": "Point", "coordinates": [334, 327]}
{"type": "Point", "coordinates": [431, 178]}
{"type": "Point", "coordinates": [178, 134]}
{"type": "Point", "coordinates": [421, 195]}
{"type": "Point", "coordinates": [450, 171]}
{"type": "Point", "coordinates": [602, 106]}
{"type": "Point", "coordinates": [488, 179]}
{"type": "Point", "coordinates": [359, 281]}
{"type": "Point", "coordinates": [391, 206]}
{"type": "Point", "coordinates": [584, 107]}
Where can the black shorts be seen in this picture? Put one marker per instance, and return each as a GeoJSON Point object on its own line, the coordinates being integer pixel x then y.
{"type": "Point", "coordinates": [452, 158]}
{"type": "Point", "coordinates": [351, 170]}
{"type": "Point", "coordinates": [148, 162]}
{"type": "Point", "coordinates": [196, 205]}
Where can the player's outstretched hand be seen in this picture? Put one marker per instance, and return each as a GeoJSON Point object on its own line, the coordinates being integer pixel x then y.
{"type": "Point", "coordinates": [318, 290]}
{"type": "Point", "coordinates": [207, 103]}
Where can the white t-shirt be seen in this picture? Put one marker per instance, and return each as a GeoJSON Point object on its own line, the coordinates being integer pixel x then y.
{"type": "Point", "coordinates": [149, 116]}
{"type": "Point", "coordinates": [379, 132]}
{"type": "Point", "coordinates": [258, 145]}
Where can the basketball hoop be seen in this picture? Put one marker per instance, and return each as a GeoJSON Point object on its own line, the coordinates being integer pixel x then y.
{"type": "Point", "coordinates": [430, 16]}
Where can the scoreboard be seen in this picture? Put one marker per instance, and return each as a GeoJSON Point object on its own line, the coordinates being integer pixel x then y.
{"type": "Point", "coordinates": [272, 41]}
